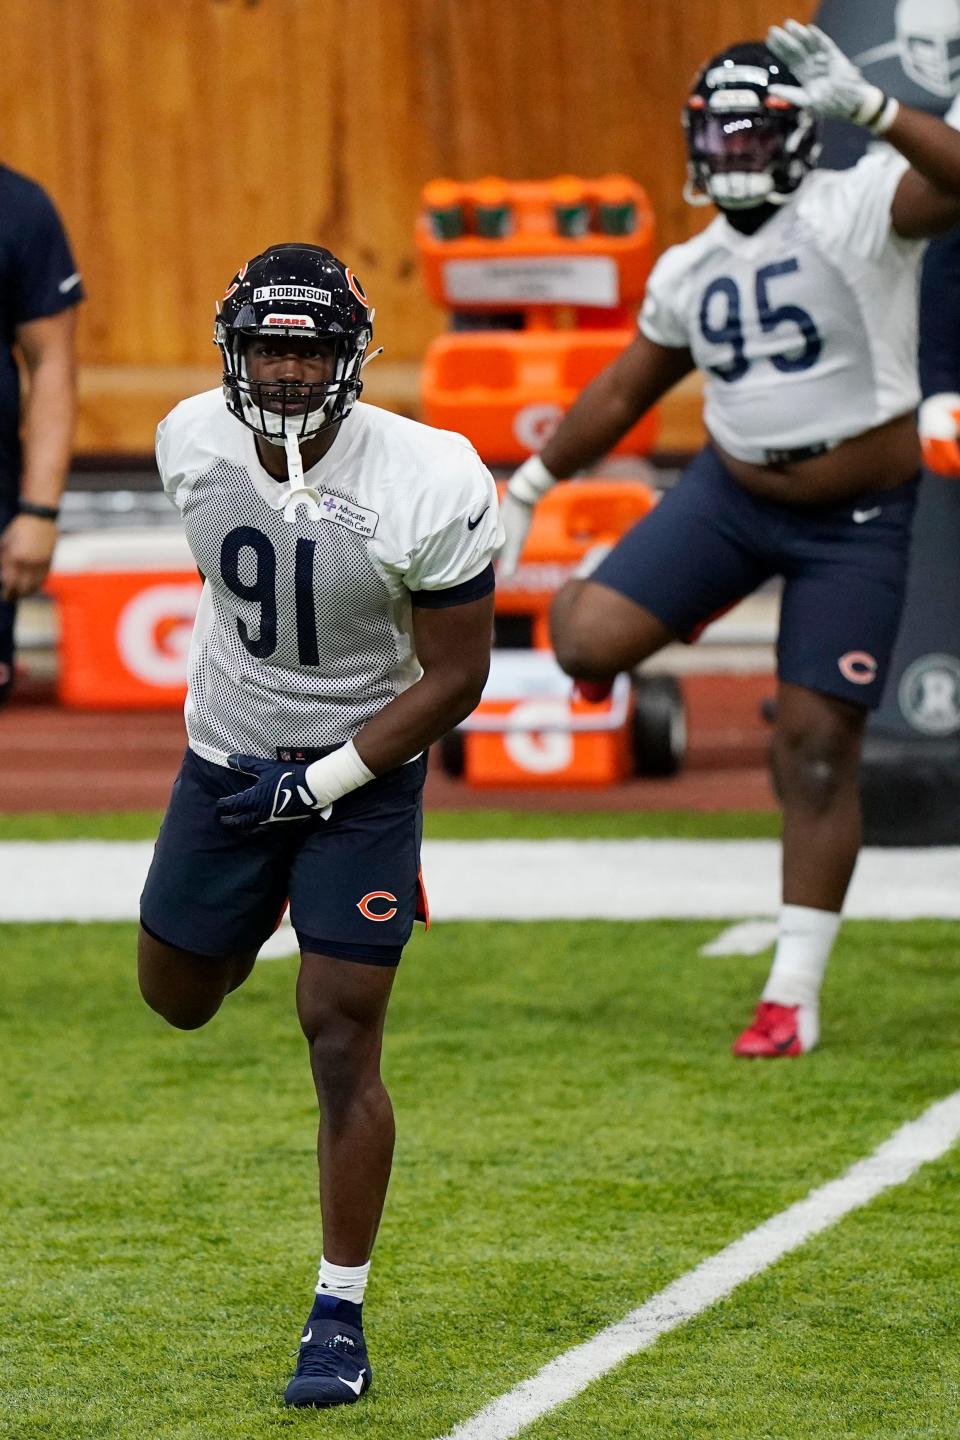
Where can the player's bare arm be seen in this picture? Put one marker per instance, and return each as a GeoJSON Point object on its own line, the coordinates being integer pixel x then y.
{"type": "Point", "coordinates": [599, 417]}
{"type": "Point", "coordinates": [927, 200]}
{"type": "Point", "coordinates": [606, 409]}
{"type": "Point", "coordinates": [453, 647]}
{"type": "Point", "coordinates": [27, 544]}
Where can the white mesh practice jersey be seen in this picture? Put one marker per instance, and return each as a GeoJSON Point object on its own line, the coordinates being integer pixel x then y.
{"type": "Point", "coordinates": [806, 332]}
{"type": "Point", "coordinates": [304, 629]}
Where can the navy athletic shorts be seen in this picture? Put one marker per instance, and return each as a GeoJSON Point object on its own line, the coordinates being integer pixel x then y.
{"type": "Point", "coordinates": [353, 881]}
{"type": "Point", "coordinates": [710, 542]}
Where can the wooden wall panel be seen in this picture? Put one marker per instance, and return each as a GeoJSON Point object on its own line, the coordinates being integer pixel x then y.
{"type": "Point", "coordinates": [181, 136]}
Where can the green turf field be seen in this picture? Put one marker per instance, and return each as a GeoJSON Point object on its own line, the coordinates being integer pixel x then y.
{"type": "Point", "coordinates": [572, 1136]}
{"type": "Point", "coordinates": [450, 825]}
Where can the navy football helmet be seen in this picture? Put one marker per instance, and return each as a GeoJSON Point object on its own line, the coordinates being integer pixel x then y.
{"type": "Point", "coordinates": [302, 291]}
{"type": "Point", "coordinates": [745, 146]}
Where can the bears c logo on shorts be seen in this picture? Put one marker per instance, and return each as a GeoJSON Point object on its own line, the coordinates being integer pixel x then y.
{"type": "Point", "coordinates": [376, 896]}
{"type": "Point", "coordinates": [858, 667]}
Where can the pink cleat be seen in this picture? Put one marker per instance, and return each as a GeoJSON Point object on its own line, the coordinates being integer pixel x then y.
{"type": "Point", "coordinates": [778, 1030]}
{"type": "Point", "coordinates": [594, 691]}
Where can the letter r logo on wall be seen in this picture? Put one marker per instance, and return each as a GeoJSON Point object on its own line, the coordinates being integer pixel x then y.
{"type": "Point", "coordinates": [377, 897]}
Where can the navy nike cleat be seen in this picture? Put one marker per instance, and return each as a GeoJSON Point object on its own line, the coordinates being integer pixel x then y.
{"type": "Point", "coordinates": [332, 1368]}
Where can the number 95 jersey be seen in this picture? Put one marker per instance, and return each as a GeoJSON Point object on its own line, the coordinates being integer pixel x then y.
{"type": "Point", "coordinates": [806, 331]}
{"type": "Point", "coordinates": [304, 629]}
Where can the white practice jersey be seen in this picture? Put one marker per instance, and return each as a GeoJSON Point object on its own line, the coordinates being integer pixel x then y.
{"type": "Point", "coordinates": [304, 629]}
{"type": "Point", "coordinates": [806, 332]}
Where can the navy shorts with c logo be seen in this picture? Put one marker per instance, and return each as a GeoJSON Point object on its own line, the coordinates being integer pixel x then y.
{"type": "Point", "coordinates": [353, 881]}
{"type": "Point", "coordinates": [709, 543]}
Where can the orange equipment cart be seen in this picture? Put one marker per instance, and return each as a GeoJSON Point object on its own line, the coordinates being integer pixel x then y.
{"type": "Point", "coordinates": [542, 280]}
{"type": "Point", "coordinates": [530, 728]}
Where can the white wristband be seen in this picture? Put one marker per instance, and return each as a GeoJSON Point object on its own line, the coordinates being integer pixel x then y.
{"type": "Point", "coordinates": [877, 111]}
{"type": "Point", "coordinates": [531, 482]}
{"type": "Point", "coordinates": [337, 774]}
{"type": "Point", "coordinates": [886, 118]}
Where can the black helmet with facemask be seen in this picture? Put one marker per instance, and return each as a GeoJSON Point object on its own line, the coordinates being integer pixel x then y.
{"type": "Point", "coordinates": [746, 146]}
{"type": "Point", "coordinates": [302, 291]}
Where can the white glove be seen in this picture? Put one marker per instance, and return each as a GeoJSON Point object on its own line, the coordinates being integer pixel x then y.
{"type": "Point", "coordinates": [524, 488]}
{"type": "Point", "coordinates": [939, 425]}
{"type": "Point", "coordinates": [832, 84]}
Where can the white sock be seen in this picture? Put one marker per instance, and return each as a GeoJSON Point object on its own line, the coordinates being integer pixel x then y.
{"type": "Point", "coordinates": [805, 940]}
{"type": "Point", "coordinates": [347, 1282]}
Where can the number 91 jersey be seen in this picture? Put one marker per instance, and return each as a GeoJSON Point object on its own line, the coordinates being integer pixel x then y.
{"type": "Point", "coordinates": [304, 629]}
{"type": "Point", "coordinates": [806, 331]}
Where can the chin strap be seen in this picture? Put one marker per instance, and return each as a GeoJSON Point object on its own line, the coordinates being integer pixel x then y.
{"type": "Point", "coordinates": [300, 494]}
{"type": "Point", "coordinates": [695, 197]}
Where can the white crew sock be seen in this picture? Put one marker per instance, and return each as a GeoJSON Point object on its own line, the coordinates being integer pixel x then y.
{"type": "Point", "coordinates": [347, 1282]}
{"type": "Point", "coordinates": [805, 940]}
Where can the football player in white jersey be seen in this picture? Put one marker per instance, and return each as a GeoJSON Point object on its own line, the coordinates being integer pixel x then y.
{"type": "Point", "coordinates": [345, 623]}
{"type": "Point", "coordinates": [799, 305]}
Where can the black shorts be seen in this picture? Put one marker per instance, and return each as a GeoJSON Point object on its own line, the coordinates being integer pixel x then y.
{"type": "Point", "coordinates": [709, 543]}
{"type": "Point", "coordinates": [353, 881]}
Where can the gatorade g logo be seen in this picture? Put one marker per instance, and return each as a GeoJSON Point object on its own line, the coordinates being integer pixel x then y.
{"type": "Point", "coordinates": [544, 751]}
{"type": "Point", "coordinates": [372, 906]}
{"type": "Point", "coordinates": [153, 632]}
{"type": "Point", "coordinates": [534, 424]}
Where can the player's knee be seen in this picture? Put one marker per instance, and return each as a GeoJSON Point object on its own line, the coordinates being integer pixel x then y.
{"type": "Point", "coordinates": [576, 641]}
{"type": "Point", "coordinates": [814, 770]}
{"type": "Point", "coordinates": [181, 1012]}
{"type": "Point", "coordinates": [186, 991]}
{"type": "Point", "coordinates": [345, 1061]}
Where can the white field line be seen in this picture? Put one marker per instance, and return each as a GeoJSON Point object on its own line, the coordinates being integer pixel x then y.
{"type": "Point", "coordinates": [748, 937]}
{"type": "Point", "coordinates": [520, 880]}
{"type": "Point", "coordinates": [914, 1144]}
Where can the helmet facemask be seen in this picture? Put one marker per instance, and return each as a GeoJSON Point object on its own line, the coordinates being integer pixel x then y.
{"type": "Point", "coordinates": [277, 409]}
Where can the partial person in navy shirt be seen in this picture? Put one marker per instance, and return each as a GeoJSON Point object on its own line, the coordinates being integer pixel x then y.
{"type": "Point", "coordinates": [40, 288]}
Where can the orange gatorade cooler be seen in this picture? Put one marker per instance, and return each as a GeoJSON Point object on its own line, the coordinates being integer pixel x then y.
{"type": "Point", "coordinates": [530, 729]}
{"type": "Point", "coordinates": [126, 601]}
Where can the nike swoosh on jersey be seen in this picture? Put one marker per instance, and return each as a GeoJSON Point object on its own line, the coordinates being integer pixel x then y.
{"type": "Point", "coordinates": [472, 524]}
{"type": "Point", "coordinates": [67, 285]}
{"type": "Point", "coordinates": [860, 517]}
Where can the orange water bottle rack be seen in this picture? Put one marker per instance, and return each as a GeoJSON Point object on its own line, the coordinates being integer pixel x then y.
{"type": "Point", "coordinates": [542, 279]}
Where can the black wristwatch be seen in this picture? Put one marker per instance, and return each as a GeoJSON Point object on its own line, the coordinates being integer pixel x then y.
{"type": "Point", "coordinates": [39, 512]}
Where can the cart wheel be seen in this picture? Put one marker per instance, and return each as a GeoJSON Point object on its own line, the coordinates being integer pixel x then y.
{"type": "Point", "coordinates": [659, 725]}
{"type": "Point", "coordinates": [452, 754]}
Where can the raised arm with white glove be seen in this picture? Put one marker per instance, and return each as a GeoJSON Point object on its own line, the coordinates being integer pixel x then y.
{"type": "Point", "coordinates": [831, 83]}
